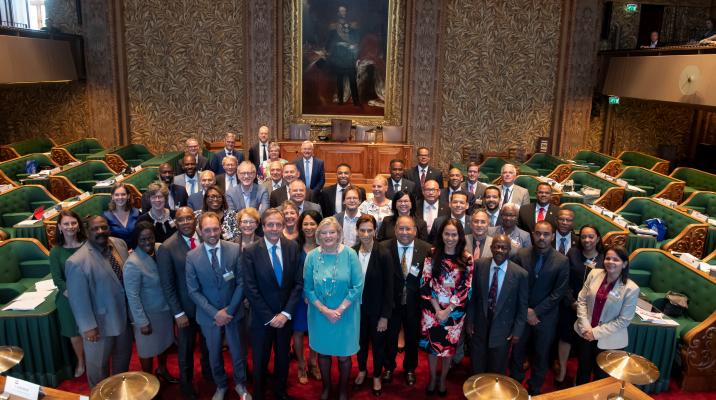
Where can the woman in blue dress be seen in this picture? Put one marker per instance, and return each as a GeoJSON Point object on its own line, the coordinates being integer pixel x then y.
{"type": "Point", "coordinates": [121, 216]}
{"type": "Point", "coordinates": [333, 284]}
{"type": "Point", "coordinates": [307, 224]}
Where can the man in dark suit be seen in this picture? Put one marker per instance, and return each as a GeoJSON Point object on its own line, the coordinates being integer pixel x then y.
{"type": "Point", "coordinates": [332, 196]}
{"type": "Point", "coordinates": [99, 304]}
{"type": "Point", "coordinates": [298, 197]}
{"type": "Point", "coordinates": [497, 312]}
{"type": "Point", "coordinates": [430, 207]}
{"type": "Point", "coordinates": [422, 172]}
{"type": "Point", "coordinates": [273, 281]}
{"type": "Point", "coordinates": [275, 177]}
{"type": "Point", "coordinates": [258, 153]}
{"type": "Point", "coordinates": [177, 194]}
{"type": "Point", "coordinates": [458, 208]}
{"type": "Point", "coordinates": [216, 163]}
{"type": "Point", "coordinates": [207, 179]}
{"type": "Point", "coordinates": [214, 280]}
{"type": "Point", "coordinates": [472, 184]}
{"type": "Point", "coordinates": [548, 277]}
{"type": "Point", "coordinates": [491, 200]}
{"type": "Point", "coordinates": [311, 169]}
{"type": "Point", "coordinates": [278, 196]}
{"type": "Point", "coordinates": [194, 150]}
{"type": "Point", "coordinates": [228, 179]}
{"type": "Point", "coordinates": [455, 179]}
{"type": "Point", "coordinates": [406, 256]}
{"type": "Point", "coordinates": [542, 209]}
{"type": "Point", "coordinates": [248, 193]}
{"type": "Point", "coordinates": [565, 237]}
{"type": "Point", "coordinates": [171, 260]}
{"type": "Point", "coordinates": [397, 181]}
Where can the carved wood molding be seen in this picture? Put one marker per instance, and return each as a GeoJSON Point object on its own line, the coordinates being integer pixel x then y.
{"type": "Point", "coordinates": [50, 231]}
{"type": "Point", "coordinates": [673, 191]}
{"type": "Point", "coordinates": [699, 357]}
{"type": "Point", "coordinates": [613, 167]}
{"type": "Point", "coordinates": [612, 199]}
{"type": "Point", "coordinates": [661, 167]}
{"type": "Point", "coordinates": [556, 198]}
{"type": "Point", "coordinates": [262, 71]}
{"type": "Point", "coordinates": [7, 153]}
{"type": "Point", "coordinates": [62, 188]}
{"type": "Point", "coordinates": [561, 172]}
{"type": "Point", "coordinates": [691, 240]}
{"type": "Point", "coordinates": [135, 195]}
{"type": "Point", "coordinates": [115, 162]}
{"type": "Point", "coordinates": [61, 156]}
{"type": "Point", "coordinates": [5, 180]}
{"type": "Point", "coordinates": [615, 238]}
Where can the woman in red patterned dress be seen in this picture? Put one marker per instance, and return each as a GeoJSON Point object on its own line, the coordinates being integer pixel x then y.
{"type": "Point", "coordinates": [445, 289]}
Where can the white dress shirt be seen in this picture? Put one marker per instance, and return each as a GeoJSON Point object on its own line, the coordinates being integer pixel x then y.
{"type": "Point", "coordinates": [567, 242]}
{"type": "Point", "coordinates": [430, 212]}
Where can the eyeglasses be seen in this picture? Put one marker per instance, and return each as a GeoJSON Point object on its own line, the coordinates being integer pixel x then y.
{"type": "Point", "coordinates": [214, 197]}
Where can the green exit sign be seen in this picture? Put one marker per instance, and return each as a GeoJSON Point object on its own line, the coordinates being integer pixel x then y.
{"type": "Point", "coordinates": [631, 7]}
{"type": "Point", "coordinates": [614, 100]}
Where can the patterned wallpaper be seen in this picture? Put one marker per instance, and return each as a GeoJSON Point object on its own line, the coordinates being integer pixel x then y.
{"type": "Point", "coordinates": [499, 62]}
{"type": "Point", "coordinates": [185, 70]}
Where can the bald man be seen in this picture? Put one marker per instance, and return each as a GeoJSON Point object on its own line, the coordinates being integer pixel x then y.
{"type": "Point", "coordinates": [194, 149]}
{"type": "Point", "coordinates": [258, 153]}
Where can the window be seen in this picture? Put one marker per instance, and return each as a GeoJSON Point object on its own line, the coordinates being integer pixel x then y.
{"type": "Point", "coordinates": [27, 14]}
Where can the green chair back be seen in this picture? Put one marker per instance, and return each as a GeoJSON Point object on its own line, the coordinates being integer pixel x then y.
{"type": "Point", "coordinates": [696, 180]}
{"type": "Point", "coordinates": [639, 159]}
{"type": "Point", "coordinates": [14, 170]}
{"type": "Point", "coordinates": [17, 204]}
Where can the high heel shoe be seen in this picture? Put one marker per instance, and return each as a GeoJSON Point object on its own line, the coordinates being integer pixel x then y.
{"type": "Point", "coordinates": [377, 392]}
{"type": "Point", "coordinates": [360, 380]}
{"type": "Point", "coordinates": [164, 375]}
{"type": "Point", "coordinates": [302, 376]}
{"type": "Point", "coordinates": [80, 370]}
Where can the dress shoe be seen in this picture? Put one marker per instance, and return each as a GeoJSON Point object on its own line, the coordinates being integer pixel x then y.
{"type": "Point", "coordinates": [164, 374]}
{"type": "Point", "coordinates": [242, 392]}
{"type": "Point", "coordinates": [377, 392]}
{"type": "Point", "coordinates": [388, 376]}
{"type": "Point", "coordinates": [360, 380]}
{"type": "Point", "coordinates": [442, 393]}
{"type": "Point", "coordinates": [410, 378]}
{"type": "Point", "coordinates": [219, 394]}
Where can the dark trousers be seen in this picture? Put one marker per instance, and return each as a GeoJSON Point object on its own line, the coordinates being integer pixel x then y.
{"type": "Point", "coordinates": [185, 355]}
{"type": "Point", "coordinates": [407, 317]}
{"type": "Point", "coordinates": [349, 73]}
{"type": "Point", "coordinates": [541, 336]}
{"type": "Point", "coordinates": [263, 339]}
{"type": "Point", "coordinates": [487, 359]}
{"type": "Point", "coordinates": [587, 361]}
{"type": "Point", "coordinates": [369, 335]}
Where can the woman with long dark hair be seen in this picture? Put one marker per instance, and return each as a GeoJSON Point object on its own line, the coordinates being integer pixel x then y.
{"type": "Point", "coordinates": [403, 203]}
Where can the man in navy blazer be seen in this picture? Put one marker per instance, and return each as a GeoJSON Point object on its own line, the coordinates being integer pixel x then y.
{"type": "Point", "coordinates": [542, 209]}
{"type": "Point", "coordinates": [216, 163]}
{"type": "Point", "coordinates": [171, 260]}
{"type": "Point", "coordinates": [177, 193]}
{"type": "Point", "coordinates": [273, 281]}
{"type": "Point", "coordinates": [214, 280]}
{"type": "Point", "coordinates": [548, 278]}
{"type": "Point", "coordinates": [317, 177]}
{"type": "Point", "coordinates": [98, 301]}
{"type": "Point", "coordinates": [258, 153]}
{"type": "Point", "coordinates": [422, 172]}
{"type": "Point", "coordinates": [247, 193]}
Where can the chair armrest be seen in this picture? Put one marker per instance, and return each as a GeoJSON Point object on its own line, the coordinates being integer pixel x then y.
{"type": "Point", "coordinates": [672, 191]}
{"type": "Point", "coordinates": [698, 354]}
{"type": "Point", "coordinates": [691, 240]}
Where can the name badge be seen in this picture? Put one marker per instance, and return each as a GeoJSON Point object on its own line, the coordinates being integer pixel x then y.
{"type": "Point", "coordinates": [228, 276]}
{"type": "Point", "coordinates": [414, 270]}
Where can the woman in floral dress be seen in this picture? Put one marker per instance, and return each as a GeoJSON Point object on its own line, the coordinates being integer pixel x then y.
{"type": "Point", "coordinates": [445, 290]}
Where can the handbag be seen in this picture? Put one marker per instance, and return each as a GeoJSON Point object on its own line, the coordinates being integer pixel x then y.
{"type": "Point", "coordinates": [676, 304]}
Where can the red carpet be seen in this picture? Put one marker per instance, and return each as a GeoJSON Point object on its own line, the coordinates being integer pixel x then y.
{"type": "Point", "coordinates": [394, 391]}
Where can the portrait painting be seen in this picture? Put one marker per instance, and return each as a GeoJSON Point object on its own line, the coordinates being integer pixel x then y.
{"type": "Point", "coordinates": [344, 46]}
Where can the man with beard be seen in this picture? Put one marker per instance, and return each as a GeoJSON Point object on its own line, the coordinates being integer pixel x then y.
{"type": "Point", "coordinates": [491, 201]}
{"type": "Point", "coordinates": [332, 196]}
{"type": "Point", "coordinates": [99, 304]}
{"type": "Point", "coordinates": [177, 193]}
{"type": "Point", "coordinates": [455, 179]}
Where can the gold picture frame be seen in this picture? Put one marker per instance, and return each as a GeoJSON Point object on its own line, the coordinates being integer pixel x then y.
{"type": "Point", "coordinates": [391, 115]}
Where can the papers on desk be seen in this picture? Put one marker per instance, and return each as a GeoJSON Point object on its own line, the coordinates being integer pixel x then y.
{"type": "Point", "coordinates": [28, 301]}
{"type": "Point", "coordinates": [28, 222]}
{"type": "Point", "coordinates": [654, 317]}
{"type": "Point", "coordinates": [106, 182]}
{"type": "Point", "coordinates": [643, 231]}
{"type": "Point", "coordinates": [46, 285]}
{"type": "Point", "coordinates": [635, 189]}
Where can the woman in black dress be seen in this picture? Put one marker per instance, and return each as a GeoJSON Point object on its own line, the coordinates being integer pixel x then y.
{"type": "Point", "coordinates": [403, 204]}
{"type": "Point", "coordinates": [587, 255]}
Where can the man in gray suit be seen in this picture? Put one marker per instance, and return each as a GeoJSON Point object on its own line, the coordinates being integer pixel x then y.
{"type": "Point", "coordinates": [207, 179]}
{"type": "Point", "coordinates": [478, 243]}
{"type": "Point", "coordinates": [297, 190]}
{"type": "Point", "coordinates": [97, 298]}
{"type": "Point", "coordinates": [498, 312]}
{"type": "Point", "coordinates": [214, 279]}
{"type": "Point", "coordinates": [189, 179]}
{"type": "Point", "coordinates": [247, 193]}
{"type": "Point", "coordinates": [472, 185]}
{"type": "Point", "coordinates": [508, 226]}
{"type": "Point", "coordinates": [275, 180]}
{"type": "Point", "coordinates": [171, 260]}
{"type": "Point", "coordinates": [512, 193]}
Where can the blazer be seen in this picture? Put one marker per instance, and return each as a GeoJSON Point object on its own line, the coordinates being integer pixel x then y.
{"type": "Point", "coordinates": [443, 209]}
{"type": "Point", "coordinates": [266, 295]}
{"type": "Point", "coordinates": [405, 184]}
{"type": "Point", "coordinates": [196, 200]}
{"type": "Point", "coordinates": [528, 216]}
{"type": "Point", "coordinates": [178, 193]}
{"type": "Point", "coordinates": [216, 160]}
{"type": "Point", "coordinates": [574, 240]}
{"type": "Point", "coordinates": [221, 181]}
{"type": "Point", "coordinates": [479, 190]}
{"type": "Point", "coordinates": [269, 186]}
{"type": "Point", "coordinates": [327, 199]}
{"type": "Point", "coordinates": [181, 181]}
{"type": "Point", "coordinates": [618, 311]}
{"type": "Point", "coordinates": [318, 173]}
{"type": "Point", "coordinates": [377, 300]}
{"type": "Point", "coordinates": [258, 199]}
{"type": "Point", "coordinates": [440, 220]}
{"type": "Point", "coordinates": [209, 290]}
{"type": "Point", "coordinates": [171, 264]}
{"type": "Point", "coordinates": [517, 235]}
{"type": "Point", "coordinates": [278, 196]}
{"type": "Point", "coordinates": [254, 155]}
{"type": "Point", "coordinates": [546, 292]}
{"type": "Point", "coordinates": [414, 175]}
{"type": "Point", "coordinates": [308, 205]}
{"type": "Point", "coordinates": [387, 228]}
{"type": "Point", "coordinates": [96, 295]}
{"type": "Point", "coordinates": [202, 163]}
{"type": "Point", "coordinates": [143, 288]}
{"type": "Point", "coordinates": [510, 314]}
{"type": "Point", "coordinates": [411, 283]}
{"type": "Point", "coordinates": [445, 197]}
{"type": "Point", "coordinates": [486, 251]}
{"type": "Point", "coordinates": [518, 195]}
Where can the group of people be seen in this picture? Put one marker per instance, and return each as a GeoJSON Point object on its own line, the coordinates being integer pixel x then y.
{"type": "Point", "coordinates": [233, 259]}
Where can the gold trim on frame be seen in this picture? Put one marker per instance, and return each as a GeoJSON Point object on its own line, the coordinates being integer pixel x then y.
{"type": "Point", "coordinates": [392, 96]}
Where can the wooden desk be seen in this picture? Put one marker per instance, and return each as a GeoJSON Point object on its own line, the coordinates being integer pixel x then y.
{"type": "Point", "coordinates": [366, 160]}
{"type": "Point", "coordinates": [50, 393]}
{"type": "Point", "coordinates": [597, 390]}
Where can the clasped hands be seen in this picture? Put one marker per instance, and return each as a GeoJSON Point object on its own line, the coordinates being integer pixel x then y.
{"type": "Point", "coordinates": [222, 317]}
{"type": "Point", "coordinates": [332, 315]}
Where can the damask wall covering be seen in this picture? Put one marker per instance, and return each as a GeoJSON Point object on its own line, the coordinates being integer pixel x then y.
{"type": "Point", "coordinates": [499, 63]}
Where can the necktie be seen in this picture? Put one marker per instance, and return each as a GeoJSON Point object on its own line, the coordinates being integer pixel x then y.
{"type": "Point", "coordinates": [192, 243]}
{"type": "Point", "coordinates": [231, 182]}
{"type": "Point", "coordinates": [264, 156]}
{"type": "Point", "coordinates": [215, 262]}
{"type": "Point", "coordinates": [422, 178]}
{"type": "Point", "coordinates": [493, 219]}
{"type": "Point", "coordinates": [563, 245]}
{"type": "Point", "coordinates": [471, 188]}
{"type": "Point", "coordinates": [539, 264]}
{"type": "Point", "coordinates": [540, 215]}
{"type": "Point", "coordinates": [507, 196]}
{"type": "Point", "coordinates": [476, 250]}
{"type": "Point", "coordinates": [277, 267]}
{"type": "Point", "coordinates": [276, 186]}
{"type": "Point", "coordinates": [404, 261]}
{"type": "Point", "coordinates": [192, 186]}
{"type": "Point", "coordinates": [396, 187]}
{"type": "Point", "coordinates": [308, 174]}
{"type": "Point", "coordinates": [116, 266]}
{"type": "Point", "coordinates": [431, 217]}
{"type": "Point", "coordinates": [492, 294]}
{"type": "Point", "coordinates": [339, 200]}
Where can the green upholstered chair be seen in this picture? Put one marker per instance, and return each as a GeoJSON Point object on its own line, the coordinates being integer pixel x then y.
{"type": "Point", "coordinates": [598, 162]}
{"type": "Point", "coordinates": [657, 272]}
{"type": "Point", "coordinates": [136, 184]}
{"type": "Point", "coordinates": [549, 166]}
{"type": "Point", "coordinates": [12, 171]}
{"type": "Point", "coordinates": [611, 196]}
{"type": "Point", "coordinates": [33, 145]}
{"type": "Point", "coordinates": [74, 151]}
{"type": "Point", "coordinates": [711, 258]}
{"type": "Point", "coordinates": [639, 159]}
{"type": "Point", "coordinates": [119, 157]}
{"type": "Point", "coordinates": [683, 233]}
{"type": "Point", "coordinates": [703, 202]}
{"type": "Point", "coordinates": [170, 157]}
{"type": "Point", "coordinates": [78, 179]}
{"type": "Point", "coordinates": [654, 183]}
{"type": "Point", "coordinates": [530, 183]}
{"type": "Point", "coordinates": [24, 262]}
{"type": "Point", "coordinates": [95, 204]}
{"type": "Point", "coordinates": [696, 180]}
{"type": "Point", "coordinates": [17, 204]}
{"type": "Point", "coordinates": [612, 234]}
{"type": "Point", "coordinates": [492, 168]}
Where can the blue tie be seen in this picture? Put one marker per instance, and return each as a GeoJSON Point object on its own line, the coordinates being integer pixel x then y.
{"type": "Point", "coordinates": [277, 268]}
{"type": "Point", "coordinates": [192, 190]}
{"type": "Point", "coordinates": [539, 264]}
{"type": "Point", "coordinates": [215, 262]}
{"type": "Point", "coordinates": [308, 174]}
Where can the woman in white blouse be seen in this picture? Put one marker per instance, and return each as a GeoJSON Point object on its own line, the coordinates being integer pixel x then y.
{"type": "Point", "coordinates": [378, 206]}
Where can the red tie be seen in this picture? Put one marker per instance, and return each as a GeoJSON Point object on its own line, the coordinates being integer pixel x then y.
{"type": "Point", "coordinates": [192, 243]}
{"type": "Point", "coordinates": [422, 178]}
{"type": "Point", "coordinates": [540, 215]}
